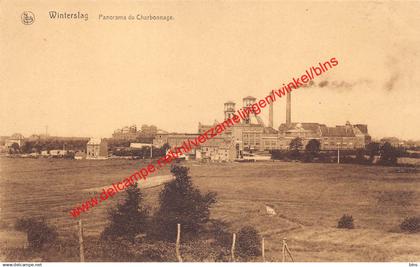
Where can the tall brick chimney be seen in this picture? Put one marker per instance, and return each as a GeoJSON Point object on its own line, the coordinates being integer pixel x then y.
{"type": "Point", "coordinates": [289, 109]}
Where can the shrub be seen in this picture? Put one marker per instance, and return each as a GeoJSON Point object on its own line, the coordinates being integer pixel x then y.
{"type": "Point", "coordinates": [38, 232]}
{"type": "Point", "coordinates": [65, 248]}
{"type": "Point", "coordinates": [248, 242]}
{"type": "Point", "coordinates": [307, 157]}
{"type": "Point", "coordinates": [155, 254]}
{"type": "Point", "coordinates": [180, 202]}
{"type": "Point", "coordinates": [128, 219]}
{"type": "Point", "coordinates": [110, 250]}
{"type": "Point", "coordinates": [122, 250]}
{"type": "Point", "coordinates": [221, 234]}
{"type": "Point", "coordinates": [278, 154]}
{"type": "Point", "coordinates": [411, 224]}
{"type": "Point", "coordinates": [346, 221]}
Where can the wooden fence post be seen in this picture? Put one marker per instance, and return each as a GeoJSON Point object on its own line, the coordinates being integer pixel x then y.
{"type": "Point", "coordinates": [81, 249]}
{"type": "Point", "coordinates": [263, 249]}
{"type": "Point", "coordinates": [288, 251]}
{"type": "Point", "coordinates": [232, 251]}
{"type": "Point", "coordinates": [178, 238]}
{"type": "Point", "coordinates": [284, 249]}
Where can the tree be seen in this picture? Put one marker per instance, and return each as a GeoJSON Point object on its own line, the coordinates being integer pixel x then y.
{"type": "Point", "coordinates": [129, 218]}
{"type": "Point", "coordinates": [388, 154]}
{"type": "Point", "coordinates": [180, 202]}
{"type": "Point", "coordinates": [294, 146]}
{"type": "Point", "coordinates": [313, 147]}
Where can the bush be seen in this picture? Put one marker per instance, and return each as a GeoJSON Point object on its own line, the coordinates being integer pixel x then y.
{"type": "Point", "coordinates": [248, 242]}
{"type": "Point", "coordinates": [38, 232]}
{"type": "Point", "coordinates": [411, 224]}
{"type": "Point", "coordinates": [121, 250]}
{"type": "Point", "coordinates": [307, 157]}
{"type": "Point", "coordinates": [221, 234]}
{"type": "Point", "coordinates": [129, 218]}
{"type": "Point", "coordinates": [346, 221]}
{"type": "Point", "coordinates": [180, 202]}
{"type": "Point", "coordinates": [110, 250]}
{"type": "Point", "coordinates": [157, 253]}
{"type": "Point", "coordinates": [278, 154]}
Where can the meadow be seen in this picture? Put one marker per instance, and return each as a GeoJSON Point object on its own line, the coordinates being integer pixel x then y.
{"type": "Point", "coordinates": [308, 198]}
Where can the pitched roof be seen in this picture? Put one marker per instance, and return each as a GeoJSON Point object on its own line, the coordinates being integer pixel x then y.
{"type": "Point", "coordinates": [308, 126]}
{"type": "Point", "coordinates": [337, 131]}
{"type": "Point", "coordinates": [362, 128]}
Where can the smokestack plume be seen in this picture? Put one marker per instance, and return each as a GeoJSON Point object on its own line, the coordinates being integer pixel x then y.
{"type": "Point", "coordinates": [288, 109]}
{"type": "Point", "coordinates": [270, 115]}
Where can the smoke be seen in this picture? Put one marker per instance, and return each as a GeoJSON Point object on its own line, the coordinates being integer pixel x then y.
{"type": "Point", "coordinates": [393, 76]}
{"type": "Point", "coordinates": [338, 85]}
{"type": "Point", "coordinates": [390, 84]}
{"type": "Point", "coordinates": [392, 64]}
{"type": "Point", "coordinates": [310, 84]}
{"type": "Point", "coordinates": [323, 84]}
{"type": "Point", "coordinates": [346, 85]}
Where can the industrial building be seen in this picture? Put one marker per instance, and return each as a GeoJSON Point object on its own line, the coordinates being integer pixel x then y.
{"type": "Point", "coordinates": [253, 136]}
{"type": "Point", "coordinates": [131, 133]}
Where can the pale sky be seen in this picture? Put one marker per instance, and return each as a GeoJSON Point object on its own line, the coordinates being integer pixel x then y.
{"type": "Point", "coordinates": [87, 78]}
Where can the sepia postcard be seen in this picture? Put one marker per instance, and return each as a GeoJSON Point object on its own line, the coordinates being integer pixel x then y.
{"type": "Point", "coordinates": [209, 131]}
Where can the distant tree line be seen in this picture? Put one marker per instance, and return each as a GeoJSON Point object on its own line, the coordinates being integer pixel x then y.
{"type": "Point", "coordinates": [387, 153]}
{"type": "Point", "coordinates": [115, 146]}
{"type": "Point", "coordinates": [31, 146]}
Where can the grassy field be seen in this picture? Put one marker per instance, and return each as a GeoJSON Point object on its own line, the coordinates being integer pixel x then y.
{"type": "Point", "coordinates": [308, 198]}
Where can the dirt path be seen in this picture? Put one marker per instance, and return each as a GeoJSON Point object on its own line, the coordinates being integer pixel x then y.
{"type": "Point", "coordinates": [149, 183]}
